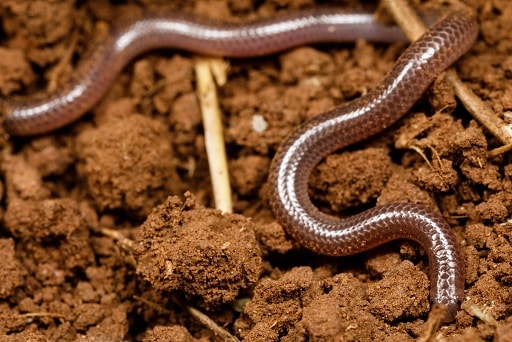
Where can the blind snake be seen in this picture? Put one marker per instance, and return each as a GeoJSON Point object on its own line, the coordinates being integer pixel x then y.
{"type": "Point", "coordinates": [94, 75]}
{"type": "Point", "coordinates": [413, 72]}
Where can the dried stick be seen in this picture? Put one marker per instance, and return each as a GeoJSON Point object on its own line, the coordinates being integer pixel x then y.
{"type": "Point", "coordinates": [213, 132]}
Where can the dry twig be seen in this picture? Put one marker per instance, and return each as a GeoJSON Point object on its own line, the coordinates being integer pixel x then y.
{"type": "Point", "coordinates": [213, 132]}
{"type": "Point", "coordinates": [201, 317]}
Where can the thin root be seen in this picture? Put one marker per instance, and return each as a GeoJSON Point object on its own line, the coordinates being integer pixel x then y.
{"type": "Point", "coordinates": [499, 151]}
{"type": "Point", "coordinates": [420, 152]}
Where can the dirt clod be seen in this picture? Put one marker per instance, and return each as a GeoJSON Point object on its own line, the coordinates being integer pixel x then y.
{"type": "Point", "coordinates": [209, 256]}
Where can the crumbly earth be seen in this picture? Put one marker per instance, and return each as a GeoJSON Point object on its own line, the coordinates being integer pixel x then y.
{"type": "Point", "coordinates": [136, 166]}
{"type": "Point", "coordinates": [188, 249]}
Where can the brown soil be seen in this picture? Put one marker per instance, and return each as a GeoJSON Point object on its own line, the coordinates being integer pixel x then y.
{"type": "Point", "coordinates": [137, 165]}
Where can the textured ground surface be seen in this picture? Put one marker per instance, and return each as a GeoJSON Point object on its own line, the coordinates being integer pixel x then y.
{"type": "Point", "coordinates": [62, 279]}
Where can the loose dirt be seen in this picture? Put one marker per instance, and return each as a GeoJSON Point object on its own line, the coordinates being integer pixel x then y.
{"type": "Point", "coordinates": [136, 164]}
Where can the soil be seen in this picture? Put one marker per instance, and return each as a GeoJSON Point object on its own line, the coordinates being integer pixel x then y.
{"type": "Point", "coordinates": [137, 165]}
